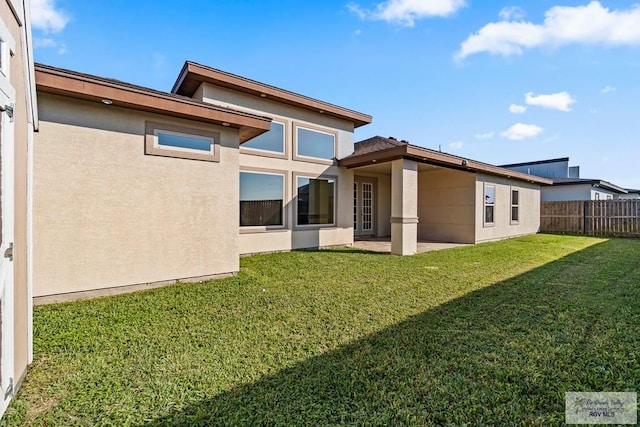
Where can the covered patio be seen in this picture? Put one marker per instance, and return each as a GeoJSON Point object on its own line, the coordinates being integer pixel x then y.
{"type": "Point", "coordinates": [425, 199]}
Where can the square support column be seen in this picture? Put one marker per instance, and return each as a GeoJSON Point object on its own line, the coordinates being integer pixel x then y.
{"type": "Point", "coordinates": [404, 207]}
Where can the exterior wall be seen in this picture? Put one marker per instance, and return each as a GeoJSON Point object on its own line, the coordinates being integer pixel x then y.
{"type": "Point", "coordinates": [291, 237]}
{"type": "Point", "coordinates": [602, 194]}
{"type": "Point", "coordinates": [630, 196]}
{"type": "Point", "coordinates": [560, 193]}
{"type": "Point", "coordinates": [529, 208]}
{"type": "Point", "coordinates": [446, 206]}
{"type": "Point", "coordinates": [107, 215]}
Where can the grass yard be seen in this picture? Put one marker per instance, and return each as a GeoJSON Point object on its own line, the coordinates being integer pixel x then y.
{"type": "Point", "coordinates": [492, 334]}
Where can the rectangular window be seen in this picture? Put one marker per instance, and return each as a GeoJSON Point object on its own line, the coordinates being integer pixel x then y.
{"type": "Point", "coordinates": [316, 201]}
{"type": "Point", "coordinates": [272, 140]}
{"type": "Point", "coordinates": [597, 196]}
{"type": "Point", "coordinates": [515, 206]}
{"type": "Point", "coordinates": [489, 204]}
{"type": "Point", "coordinates": [261, 199]}
{"type": "Point", "coordinates": [315, 144]}
{"type": "Point", "coordinates": [609, 197]}
{"type": "Point", "coordinates": [185, 143]}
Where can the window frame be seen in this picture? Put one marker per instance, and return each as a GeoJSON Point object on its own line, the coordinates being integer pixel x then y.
{"type": "Point", "coordinates": [152, 147]}
{"type": "Point", "coordinates": [333, 178]}
{"type": "Point", "coordinates": [284, 154]}
{"type": "Point", "coordinates": [485, 205]}
{"type": "Point", "coordinates": [514, 206]}
{"type": "Point", "coordinates": [317, 129]}
{"type": "Point", "coordinates": [244, 229]}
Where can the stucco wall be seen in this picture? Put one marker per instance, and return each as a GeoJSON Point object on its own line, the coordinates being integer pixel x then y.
{"type": "Point", "coordinates": [529, 217]}
{"type": "Point", "coordinates": [253, 240]}
{"type": "Point", "coordinates": [446, 206]}
{"type": "Point", "coordinates": [107, 215]}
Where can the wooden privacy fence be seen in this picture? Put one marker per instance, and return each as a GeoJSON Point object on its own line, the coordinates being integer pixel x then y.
{"type": "Point", "coordinates": [597, 217]}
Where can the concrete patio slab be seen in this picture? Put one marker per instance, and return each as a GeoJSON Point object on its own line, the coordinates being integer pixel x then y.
{"type": "Point", "coordinates": [384, 245]}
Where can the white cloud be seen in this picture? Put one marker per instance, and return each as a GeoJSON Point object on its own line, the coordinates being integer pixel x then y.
{"type": "Point", "coordinates": [563, 25]}
{"type": "Point", "coordinates": [486, 135]}
{"type": "Point", "coordinates": [49, 43]}
{"type": "Point", "coordinates": [608, 89]}
{"type": "Point", "coordinates": [512, 13]}
{"type": "Point", "coordinates": [457, 145]}
{"type": "Point", "coordinates": [47, 17]}
{"type": "Point", "coordinates": [556, 101]}
{"type": "Point", "coordinates": [521, 131]}
{"type": "Point", "coordinates": [517, 109]}
{"type": "Point", "coordinates": [406, 12]}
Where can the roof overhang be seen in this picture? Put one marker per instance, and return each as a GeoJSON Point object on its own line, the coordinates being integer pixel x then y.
{"type": "Point", "coordinates": [193, 75]}
{"type": "Point", "coordinates": [594, 183]}
{"type": "Point", "coordinates": [423, 155]}
{"type": "Point", "coordinates": [91, 88]}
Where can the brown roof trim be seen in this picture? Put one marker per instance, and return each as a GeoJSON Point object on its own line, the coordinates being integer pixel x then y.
{"type": "Point", "coordinates": [92, 88]}
{"type": "Point", "coordinates": [193, 75]}
{"type": "Point", "coordinates": [424, 155]}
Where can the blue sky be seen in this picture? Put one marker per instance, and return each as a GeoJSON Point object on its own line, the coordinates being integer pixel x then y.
{"type": "Point", "coordinates": [497, 81]}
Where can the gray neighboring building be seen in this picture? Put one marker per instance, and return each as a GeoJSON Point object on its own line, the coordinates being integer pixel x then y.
{"type": "Point", "coordinates": [632, 194]}
{"type": "Point", "coordinates": [567, 184]}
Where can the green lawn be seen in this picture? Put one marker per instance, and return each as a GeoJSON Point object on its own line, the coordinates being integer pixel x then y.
{"type": "Point", "coordinates": [492, 334]}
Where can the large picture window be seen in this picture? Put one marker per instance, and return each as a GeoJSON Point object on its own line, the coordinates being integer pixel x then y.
{"type": "Point", "coordinates": [314, 143]}
{"type": "Point", "coordinates": [489, 204]}
{"type": "Point", "coordinates": [515, 206]}
{"type": "Point", "coordinates": [261, 199]}
{"type": "Point", "coordinates": [272, 141]}
{"type": "Point", "coordinates": [316, 201]}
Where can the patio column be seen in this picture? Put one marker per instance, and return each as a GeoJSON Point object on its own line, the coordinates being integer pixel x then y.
{"type": "Point", "coordinates": [404, 207]}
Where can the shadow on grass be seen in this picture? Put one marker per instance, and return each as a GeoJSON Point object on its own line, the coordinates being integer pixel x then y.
{"type": "Point", "coordinates": [503, 355]}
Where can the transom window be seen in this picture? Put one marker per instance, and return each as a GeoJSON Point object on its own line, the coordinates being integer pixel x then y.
{"type": "Point", "coordinates": [489, 204]}
{"type": "Point", "coordinates": [316, 201]}
{"type": "Point", "coordinates": [314, 143]}
{"type": "Point", "coordinates": [515, 206]}
{"type": "Point", "coordinates": [272, 140]}
{"type": "Point", "coordinates": [261, 199]}
{"type": "Point", "coordinates": [168, 140]}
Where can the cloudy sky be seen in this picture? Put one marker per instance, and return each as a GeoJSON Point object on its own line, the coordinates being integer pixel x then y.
{"type": "Point", "coordinates": [497, 81]}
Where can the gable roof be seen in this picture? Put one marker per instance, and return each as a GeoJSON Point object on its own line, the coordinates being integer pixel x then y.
{"type": "Point", "coordinates": [93, 88]}
{"type": "Point", "coordinates": [593, 182]}
{"type": "Point", "coordinates": [193, 75]}
{"type": "Point", "coordinates": [379, 149]}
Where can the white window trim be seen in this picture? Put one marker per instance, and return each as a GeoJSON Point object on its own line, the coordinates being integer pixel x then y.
{"type": "Point", "coordinates": [511, 220]}
{"type": "Point", "coordinates": [152, 147]}
{"type": "Point", "coordinates": [159, 146]}
{"type": "Point", "coordinates": [485, 204]}
{"type": "Point", "coordinates": [302, 157]}
{"type": "Point", "coordinates": [296, 176]}
{"type": "Point", "coordinates": [264, 228]}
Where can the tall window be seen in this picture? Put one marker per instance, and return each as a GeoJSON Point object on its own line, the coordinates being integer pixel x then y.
{"type": "Point", "coordinates": [316, 201]}
{"type": "Point", "coordinates": [489, 204]}
{"type": "Point", "coordinates": [515, 206]}
{"type": "Point", "coordinates": [261, 199]}
{"type": "Point", "coordinates": [273, 140]}
{"type": "Point", "coordinates": [314, 143]}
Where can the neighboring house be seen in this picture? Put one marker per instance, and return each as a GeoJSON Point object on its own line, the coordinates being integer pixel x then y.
{"type": "Point", "coordinates": [567, 184]}
{"type": "Point", "coordinates": [632, 194]}
{"type": "Point", "coordinates": [137, 187]}
{"type": "Point", "coordinates": [18, 120]}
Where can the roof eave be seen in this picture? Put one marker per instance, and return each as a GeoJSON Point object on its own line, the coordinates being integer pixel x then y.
{"type": "Point", "coordinates": [193, 75]}
{"type": "Point", "coordinates": [79, 86]}
{"type": "Point", "coordinates": [438, 159]}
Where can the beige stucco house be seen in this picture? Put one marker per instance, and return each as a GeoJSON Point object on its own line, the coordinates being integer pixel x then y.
{"type": "Point", "coordinates": [134, 187]}
{"type": "Point", "coordinates": [18, 120]}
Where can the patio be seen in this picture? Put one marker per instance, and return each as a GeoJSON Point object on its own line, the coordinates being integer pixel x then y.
{"type": "Point", "coordinates": [383, 244]}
